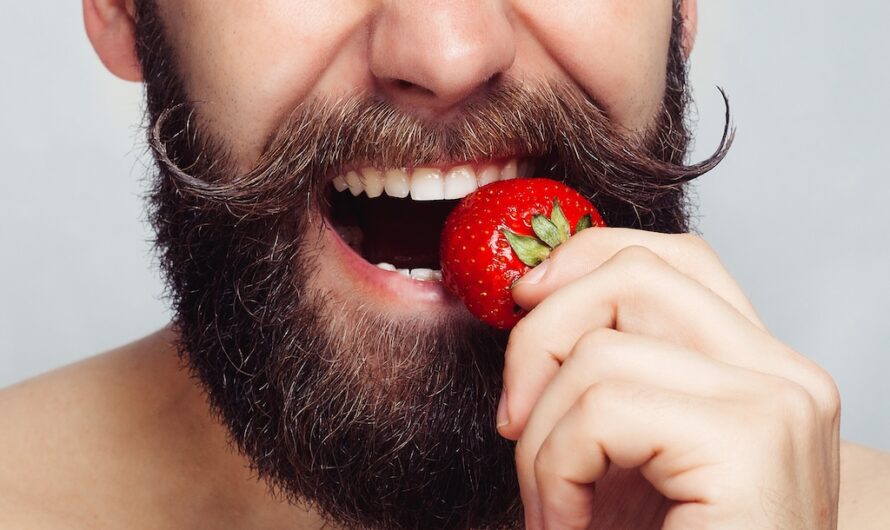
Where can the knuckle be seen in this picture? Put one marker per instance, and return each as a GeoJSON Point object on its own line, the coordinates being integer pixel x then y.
{"type": "Point", "coordinates": [694, 242]}
{"type": "Point", "coordinates": [821, 387]}
{"type": "Point", "coordinates": [544, 460]}
{"type": "Point", "coordinates": [826, 394]}
{"type": "Point", "coordinates": [698, 256]}
{"type": "Point", "coordinates": [596, 354]}
{"type": "Point", "coordinates": [596, 345]}
{"type": "Point", "coordinates": [598, 339]}
{"type": "Point", "coordinates": [599, 397]}
{"type": "Point", "coordinates": [798, 405]}
{"type": "Point", "coordinates": [637, 264]}
{"type": "Point", "coordinates": [635, 255]}
{"type": "Point", "coordinates": [788, 408]}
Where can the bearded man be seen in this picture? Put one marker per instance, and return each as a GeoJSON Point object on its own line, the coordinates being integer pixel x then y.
{"type": "Point", "coordinates": [302, 385]}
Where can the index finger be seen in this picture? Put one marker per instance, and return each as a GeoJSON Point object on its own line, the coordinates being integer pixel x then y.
{"type": "Point", "coordinates": [588, 250]}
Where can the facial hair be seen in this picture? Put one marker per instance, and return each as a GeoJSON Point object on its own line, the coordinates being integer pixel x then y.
{"type": "Point", "coordinates": [373, 422]}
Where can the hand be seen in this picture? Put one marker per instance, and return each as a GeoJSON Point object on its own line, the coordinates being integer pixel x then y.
{"type": "Point", "coordinates": [641, 352]}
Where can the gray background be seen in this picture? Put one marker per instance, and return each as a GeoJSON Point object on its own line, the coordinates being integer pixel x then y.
{"type": "Point", "coordinates": [798, 211]}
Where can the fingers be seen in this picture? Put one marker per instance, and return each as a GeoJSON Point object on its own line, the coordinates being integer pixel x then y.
{"type": "Point", "coordinates": [634, 291]}
{"type": "Point", "coordinates": [631, 426]}
{"type": "Point", "coordinates": [713, 457]}
{"type": "Point", "coordinates": [589, 249]}
{"type": "Point", "coordinates": [604, 356]}
{"type": "Point", "coordinates": [648, 356]}
{"type": "Point", "coordinates": [637, 292]}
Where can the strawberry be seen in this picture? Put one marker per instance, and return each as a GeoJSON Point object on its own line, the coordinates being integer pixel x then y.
{"type": "Point", "coordinates": [499, 232]}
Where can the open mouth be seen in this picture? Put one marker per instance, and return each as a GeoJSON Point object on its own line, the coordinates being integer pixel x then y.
{"type": "Point", "coordinates": [393, 218]}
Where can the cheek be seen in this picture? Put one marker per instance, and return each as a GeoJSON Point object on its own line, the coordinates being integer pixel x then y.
{"type": "Point", "coordinates": [246, 64]}
{"type": "Point", "coordinates": [615, 49]}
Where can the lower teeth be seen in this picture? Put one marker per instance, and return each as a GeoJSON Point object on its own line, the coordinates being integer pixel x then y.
{"type": "Point", "coordinates": [423, 275]}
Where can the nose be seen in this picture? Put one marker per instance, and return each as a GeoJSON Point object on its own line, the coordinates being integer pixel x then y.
{"type": "Point", "coordinates": [433, 54]}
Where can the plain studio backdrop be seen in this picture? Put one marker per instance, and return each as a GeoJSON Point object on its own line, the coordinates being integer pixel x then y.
{"type": "Point", "coordinates": [798, 211]}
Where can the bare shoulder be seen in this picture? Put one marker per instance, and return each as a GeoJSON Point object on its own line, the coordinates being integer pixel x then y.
{"type": "Point", "coordinates": [865, 488]}
{"type": "Point", "coordinates": [20, 512]}
{"type": "Point", "coordinates": [67, 435]}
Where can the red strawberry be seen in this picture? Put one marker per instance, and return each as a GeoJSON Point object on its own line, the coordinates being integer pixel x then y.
{"type": "Point", "coordinates": [499, 232]}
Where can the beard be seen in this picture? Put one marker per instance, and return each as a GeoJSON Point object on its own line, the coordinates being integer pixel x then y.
{"type": "Point", "coordinates": [372, 421]}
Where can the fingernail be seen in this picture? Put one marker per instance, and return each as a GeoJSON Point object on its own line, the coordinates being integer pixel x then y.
{"type": "Point", "coordinates": [503, 417]}
{"type": "Point", "coordinates": [536, 274]}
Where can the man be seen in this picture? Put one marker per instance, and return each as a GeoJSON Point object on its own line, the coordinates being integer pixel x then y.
{"type": "Point", "coordinates": [301, 385]}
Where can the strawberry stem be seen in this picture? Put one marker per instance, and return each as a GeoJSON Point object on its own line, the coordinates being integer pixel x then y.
{"type": "Point", "coordinates": [553, 231]}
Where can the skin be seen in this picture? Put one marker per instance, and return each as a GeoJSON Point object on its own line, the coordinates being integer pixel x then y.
{"type": "Point", "coordinates": [661, 366]}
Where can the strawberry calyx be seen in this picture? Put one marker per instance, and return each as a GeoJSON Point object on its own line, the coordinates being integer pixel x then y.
{"type": "Point", "coordinates": [550, 232]}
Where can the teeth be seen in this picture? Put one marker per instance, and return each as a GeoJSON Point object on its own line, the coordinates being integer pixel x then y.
{"type": "Point", "coordinates": [396, 183]}
{"type": "Point", "coordinates": [355, 183]}
{"type": "Point", "coordinates": [373, 181]}
{"type": "Point", "coordinates": [340, 183]}
{"type": "Point", "coordinates": [509, 171]}
{"type": "Point", "coordinates": [423, 275]}
{"type": "Point", "coordinates": [427, 185]}
{"type": "Point", "coordinates": [419, 274]}
{"type": "Point", "coordinates": [488, 175]}
{"type": "Point", "coordinates": [460, 182]}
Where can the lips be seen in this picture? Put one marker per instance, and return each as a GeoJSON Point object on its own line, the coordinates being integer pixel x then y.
{"type": "Point", "coordinates": [392, 217]}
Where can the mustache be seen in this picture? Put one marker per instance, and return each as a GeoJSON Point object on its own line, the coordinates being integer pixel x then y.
{"type": "Point", "coordinates": [569, 134]}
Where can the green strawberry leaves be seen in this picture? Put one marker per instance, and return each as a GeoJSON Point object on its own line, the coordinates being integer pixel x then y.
{"type": "Point", "coordinates": [547, 231]}
{"type": "Point", "coordinates": [530, 251]}
{"type": "Point", "coordinates": [559, 220]}
{"type": "Point", "coordinates": [584, 223]}
{"type": "Point", "coordinates": [551, 232]}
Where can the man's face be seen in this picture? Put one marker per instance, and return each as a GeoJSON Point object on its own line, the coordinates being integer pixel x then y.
{"type": "Point", "coordinates": [365, 393]}
{"type": "Point", "coordinates": [248, 64]}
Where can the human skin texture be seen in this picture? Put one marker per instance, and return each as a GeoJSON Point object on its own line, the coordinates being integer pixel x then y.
{"type": "Point", "coordinates": [641, 368]}
{"type": "Point", "coordinates": [282, 362]}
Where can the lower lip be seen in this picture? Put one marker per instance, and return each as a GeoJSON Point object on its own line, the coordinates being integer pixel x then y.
{"type": "Point", "coordinates": [388, 283]}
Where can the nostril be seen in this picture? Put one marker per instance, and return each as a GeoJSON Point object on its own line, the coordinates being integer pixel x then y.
{"type": "Point", "coordinates": [418, 90]}
{"type": "Point", "coordinates": [495, 79]}
{"type": "Point", "coordinates": [431, 59]}
{"type": "Point", "coordinates": [408, 86]}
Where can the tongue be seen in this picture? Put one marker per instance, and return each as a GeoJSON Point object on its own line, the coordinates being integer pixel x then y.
{"type": "Point", "coordinates": [402, 232]}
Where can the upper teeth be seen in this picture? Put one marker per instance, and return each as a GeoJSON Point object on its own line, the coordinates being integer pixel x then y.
{"type": "Point", "coordinates": [428, 183]}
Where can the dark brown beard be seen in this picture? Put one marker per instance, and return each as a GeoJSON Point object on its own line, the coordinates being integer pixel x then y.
{"type": "Point", "coordinates": [375, 423]}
